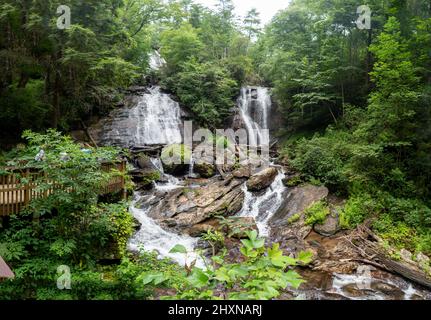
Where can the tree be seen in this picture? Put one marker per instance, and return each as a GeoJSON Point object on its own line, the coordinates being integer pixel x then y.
{"type": "Point", "coordinates": [252, 24]}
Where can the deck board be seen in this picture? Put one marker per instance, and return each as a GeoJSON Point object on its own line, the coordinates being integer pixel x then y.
{"type": "Point", "coordinates": [14, 195]}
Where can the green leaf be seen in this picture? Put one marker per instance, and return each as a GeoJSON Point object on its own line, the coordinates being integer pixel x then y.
{"type": "Point", "coordinates": [305, 257]}
{"type": "Point", "coordinates": [293, 278]}
{"type": "Point", "coordinates": [178, 249]}
{"type": "Point", "coordinates": [198, 278]}
{"type": "Point", "coordinates": [156, 278]}
{"type": "Point", "coordinates": [278, 259]}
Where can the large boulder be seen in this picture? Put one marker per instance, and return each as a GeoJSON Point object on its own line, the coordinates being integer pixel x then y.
{"type": "Point", "coordinates": [262, 179]}
{"type": "Point", "coordinates": [204, 164]}
{"type": "Point", "coordinates": [235, 227]}
{"type": "Point", "coordinates": [242, 173]}
{"type": "Point", "coordinates": [186, 207]}
{"type": "Point", "coordinates": [205, 169]}
{"type": "Point", "coordinates": [176, 159]}
{"type": "Point", "coordinates": [145, 172]}
{"type": "Point", "coordinates": [289, 221]}
{"type": "Point", "coordinates": [143, 162]}
{"type": "Point", "coordinates": [331, 225]}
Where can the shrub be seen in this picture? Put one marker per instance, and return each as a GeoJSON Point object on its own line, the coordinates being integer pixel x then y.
{"type": "Point", "coordinates": [357, 209]}
{"type": "Point", "coordinates": [261, 274]}
{"type": "Point", "coordinates": [324, 159]}
{"type": "Point", "coordinates": [317, 213]}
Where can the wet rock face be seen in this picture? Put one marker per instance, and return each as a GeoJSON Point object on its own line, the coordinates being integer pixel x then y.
{"type": "Point", "coordinates": [288, 223]}
{"type": "Point", "coordinates": [235, 228]}
{"type": "Point", "coordinates": [262, 180]}
{"type": "Point", "coordinates": [205, 169]}
{"type": "Point", "coordinates": [192, 206]}
{"type": "Point", "coordinates": [297, 201]}
{"type": "Point", "coordinates": [145, 172]}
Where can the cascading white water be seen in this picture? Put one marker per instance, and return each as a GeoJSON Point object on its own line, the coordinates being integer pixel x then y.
{"type": "Point", "coordinates": [172, 183]}
{"type": "Point", "coordinates": [264, 206]}
{"type": "Point", "coordinates": [192, 167]}
{"type": "Point", "coordinates": [155, 119]}
{"type": "Point", "coordinates": [255, 105]}
{"type": "Point", "coordinates": [152, 237]}
{"type": "Point", "coordinates": [156, 61]}
{"type": "Point", "coordinates": [158, 119]}
{"type": "Point", "coordinates": [366, 285]}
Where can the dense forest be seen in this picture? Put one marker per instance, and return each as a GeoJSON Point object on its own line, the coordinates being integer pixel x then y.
{"type": "Point", "coordinates": [355, 108]}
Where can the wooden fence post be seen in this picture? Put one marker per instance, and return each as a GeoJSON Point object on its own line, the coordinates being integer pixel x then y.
{"type": "Point", "coordinates": [27, 188]}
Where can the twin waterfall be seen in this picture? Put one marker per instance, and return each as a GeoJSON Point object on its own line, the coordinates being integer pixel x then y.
{"type": "Point", "coordinates": [156, 119]}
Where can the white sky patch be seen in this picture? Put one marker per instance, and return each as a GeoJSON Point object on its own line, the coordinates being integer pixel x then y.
{"type": "Point", "coordinates": [266, 8]}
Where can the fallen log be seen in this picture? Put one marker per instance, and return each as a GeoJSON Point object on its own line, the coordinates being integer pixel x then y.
{"type": "Point", "coordinates": [370, 247]}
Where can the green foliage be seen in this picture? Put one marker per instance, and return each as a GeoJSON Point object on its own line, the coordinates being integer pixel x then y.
{"type": "Point", "coordinates": [294, 218]}
{"type": "Point", "coordinates": [324, 158]}
{"type": "Point", "coordinates": [55, 77]}
{"type": "Point", "coordinates": [205, 88]}
{"type": "Point", "coordinates": [261, 275]}
{"type": "Point", "coordinates": [317, 213]}
{"type": "Point", "coordinates": [357, 209]}
{"type": "Point", "coordinates": [73, 229]}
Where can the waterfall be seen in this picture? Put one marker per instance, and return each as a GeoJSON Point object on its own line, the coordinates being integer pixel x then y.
{"type": "Point", "coordinates": [155, 119]}
{"type": "Point", "coordinates": [192, 167]}
{"type": "Point", "coordinates": [156, 61]}
{"type": "Point", "coordinates": [255, 105]}
{"type": "Point", "coordinates": [172, 182]}
{"type": "Point", "coordinates": [264, 206]}
{"type": "Point", "coordinates": [158, 119]}
{"type": "Point", "coordinates": [152, 237]}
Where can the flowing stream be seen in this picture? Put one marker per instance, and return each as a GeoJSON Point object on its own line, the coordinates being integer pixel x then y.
{"type": "Point", "coordinates": [157, 121]}
{"type": "Point", "coordinates": [152, 237]}
{"type": "Point", "coordinates": [255, 105]}
{"type": "Point", "coordinates": [263, 207]}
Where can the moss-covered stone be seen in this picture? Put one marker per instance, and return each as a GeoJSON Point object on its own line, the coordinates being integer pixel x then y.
{"type": "Point", "coordinates": [176, 159]}
{"type": "Point", "coordinates": [205, 170]}
{"type": "Point", "coordinates": [146, 179]}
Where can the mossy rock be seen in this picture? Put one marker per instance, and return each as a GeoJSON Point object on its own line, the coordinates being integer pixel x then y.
{"type": "Point", "coordinates": [205, 170]}
{"type": "Point", "coordinates": [292, 181]}
{"type": "Point", "coordinates": [176, 159]}
{"type": "Point", "coordinates": [146, 179]}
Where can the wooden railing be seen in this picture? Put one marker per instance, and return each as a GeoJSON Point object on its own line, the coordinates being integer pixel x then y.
{"type": "Point", "coordinates": [15, 194]}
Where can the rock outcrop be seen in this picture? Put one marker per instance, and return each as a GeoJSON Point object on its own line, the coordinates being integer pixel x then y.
{"type": "Point", "coordinates": [289, 221]}
{"type": "Point", "coordinates": [186, 207]}
{"type": "Point", "coordinates": [262, 180]}
{"type": "Point", "coordinates": [176, 159]}
{"type": "Point", "coordinates": [331, 225]}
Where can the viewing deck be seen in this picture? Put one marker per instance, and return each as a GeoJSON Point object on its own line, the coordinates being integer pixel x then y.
{"type": "Point", "coordinates": [14, 195]}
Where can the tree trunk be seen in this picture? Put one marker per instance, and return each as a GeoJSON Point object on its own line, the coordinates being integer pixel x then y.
{"type": "Point", "coordinates": [369, 58]}
{"type": "Point", "coordinates": [56, 102]}
{"type": "Point", "coordinates": [56, 90]}
{"type": "Point", "coordinates": [24, 78]}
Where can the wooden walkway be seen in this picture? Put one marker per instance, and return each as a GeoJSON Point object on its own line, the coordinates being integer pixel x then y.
{"type": "Point", "coordinates": [14, 195]}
